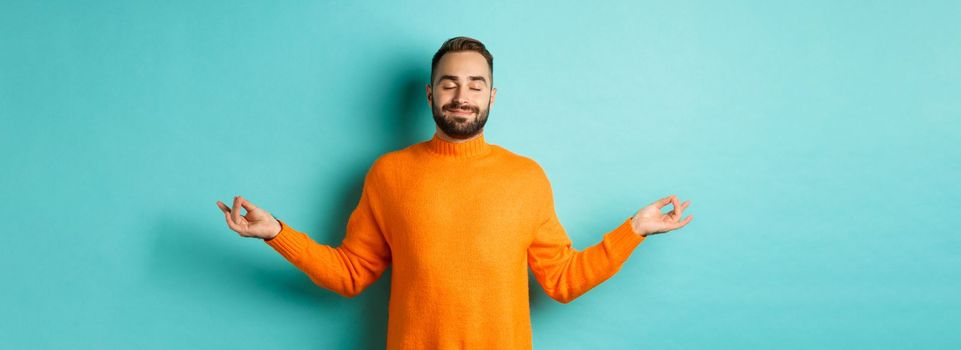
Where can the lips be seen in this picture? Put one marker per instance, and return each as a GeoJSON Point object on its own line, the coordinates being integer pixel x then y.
{"type": "Point", "coordinates": [461, 111]}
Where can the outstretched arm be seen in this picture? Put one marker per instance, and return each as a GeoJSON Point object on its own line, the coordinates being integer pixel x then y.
{"type": "Point", "coordinates": [360, 260]}
{"type": "Point", "coordinates": [566, 273]}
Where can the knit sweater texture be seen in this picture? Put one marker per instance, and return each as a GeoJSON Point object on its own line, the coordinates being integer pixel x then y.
{"type": "Point", "coordinates": [460, 223]}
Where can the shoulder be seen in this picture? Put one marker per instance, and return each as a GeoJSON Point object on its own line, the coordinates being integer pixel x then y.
{"type": "Point", "coordinates": [391, 165]}
{"type": "Point", "coordinates": [383, 164]}
{"type": "Point", "coordinates": [525, 166]}
{"type": "Point", "coordinates": [530, 177]}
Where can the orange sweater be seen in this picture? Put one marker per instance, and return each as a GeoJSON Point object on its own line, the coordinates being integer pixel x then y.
{"type": "Point", "coordinates": [460, 223]}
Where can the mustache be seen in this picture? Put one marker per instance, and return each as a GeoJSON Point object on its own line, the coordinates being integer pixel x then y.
{"type": "Point", "coordinates": [450, 107]}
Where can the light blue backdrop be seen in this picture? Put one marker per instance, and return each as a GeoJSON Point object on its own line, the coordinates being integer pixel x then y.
{"type": "Point", "coordinates": [818, 142]}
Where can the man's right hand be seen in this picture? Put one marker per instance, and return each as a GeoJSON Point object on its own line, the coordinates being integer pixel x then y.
{"type": "Point", "coordinates": [257, 223]}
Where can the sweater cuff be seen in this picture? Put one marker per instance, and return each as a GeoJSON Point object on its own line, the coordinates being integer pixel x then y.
{"type": "Point", "coordinates": [623, 240]}
{"type": "Point", "coordinates": [288, 242]}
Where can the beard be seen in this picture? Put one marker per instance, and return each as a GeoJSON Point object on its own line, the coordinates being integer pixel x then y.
{"type": "Point", "coordinates": [459, 127]}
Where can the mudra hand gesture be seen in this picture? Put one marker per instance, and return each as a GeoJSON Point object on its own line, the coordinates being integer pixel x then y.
{"type": "Point", "coordinates": [257, 223]}
{"type": "Point", "coordinates": [649, 220]}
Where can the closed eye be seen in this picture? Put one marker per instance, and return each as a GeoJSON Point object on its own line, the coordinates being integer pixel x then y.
{"type": "Point", "coordinates": [452, 87]}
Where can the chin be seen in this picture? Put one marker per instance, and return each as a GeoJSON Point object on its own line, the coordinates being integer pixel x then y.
{"type": "Point", "coordinates": [469, 118]}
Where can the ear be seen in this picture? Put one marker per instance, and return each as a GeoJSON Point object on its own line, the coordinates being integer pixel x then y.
{"type": "Point", "coordinates": [493, 95]}
{"type": "Point", "coordinates": [430, 97]}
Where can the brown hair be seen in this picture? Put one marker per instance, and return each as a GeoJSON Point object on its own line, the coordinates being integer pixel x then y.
{"type": "Point", "coordinates": [462, 43]}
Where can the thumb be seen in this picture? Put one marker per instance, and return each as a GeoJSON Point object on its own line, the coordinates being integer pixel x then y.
{"type": "Point", "coordinates": [247, 205]}
{"type": "Point", "coordinates": [663, 202]}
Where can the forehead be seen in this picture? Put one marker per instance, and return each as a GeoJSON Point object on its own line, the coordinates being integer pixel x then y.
{"type": "Point", "coordinates": [463, 64]}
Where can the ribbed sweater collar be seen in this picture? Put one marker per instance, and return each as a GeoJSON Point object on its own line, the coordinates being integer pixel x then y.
{"type": "Point", "coordinates": [474, 148]}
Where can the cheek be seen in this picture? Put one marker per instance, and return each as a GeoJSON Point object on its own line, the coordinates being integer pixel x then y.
{"type": "Point", "coordinates": [441, 98]}
{"type": "Point", "coordinates": [439, 103]}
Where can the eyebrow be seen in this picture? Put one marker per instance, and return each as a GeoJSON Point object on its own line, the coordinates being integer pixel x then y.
{"type": "Point", "coordinates": [454, 78]}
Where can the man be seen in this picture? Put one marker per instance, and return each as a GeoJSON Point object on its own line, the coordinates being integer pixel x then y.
{"type": "Point", "coordinates": [460, 220]}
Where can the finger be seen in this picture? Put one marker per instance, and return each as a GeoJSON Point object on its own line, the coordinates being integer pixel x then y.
{"type": "Point", "coordinates": [683, 222]}
{"type": "Point", "coordinates": [247, 204]}
{"type": "Point", "coordinates": [223, 207]}
{"type": "Point", "coordinates": [230, 222]}
{"type": "Point", "coordinates": [235, 213]}
{"type": "Point", "coordinates": [226, 210]}
{"type": "Point", "coordinates": [680, 213]}
{"type": "Point", "coordinates": [661, 203]}
{"type": "Point", "coordinates": [677, 209]}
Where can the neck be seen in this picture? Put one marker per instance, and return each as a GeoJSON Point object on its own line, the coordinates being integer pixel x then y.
{"type": "Point", "coordinates": [445, 137]}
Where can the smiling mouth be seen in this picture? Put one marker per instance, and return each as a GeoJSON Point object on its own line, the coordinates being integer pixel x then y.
{"type": "Point", "coordinates": [461, 111]}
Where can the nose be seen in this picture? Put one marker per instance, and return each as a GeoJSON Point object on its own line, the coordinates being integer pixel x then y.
{"type": "Point", "coordinates": [460, 96]}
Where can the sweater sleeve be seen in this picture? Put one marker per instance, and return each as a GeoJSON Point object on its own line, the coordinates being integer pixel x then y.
{"type": "Point", "coordinates": [566, 273]}
{"type": "Point", "coordinates": [348, 269]}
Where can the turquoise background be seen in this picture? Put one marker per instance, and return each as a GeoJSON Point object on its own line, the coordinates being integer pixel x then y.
{"type": "Point", "coordinates": [818, 142]}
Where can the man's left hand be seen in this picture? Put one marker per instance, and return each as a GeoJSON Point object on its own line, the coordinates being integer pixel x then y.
{"type": "Point", "coordinates": [649, 220]}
